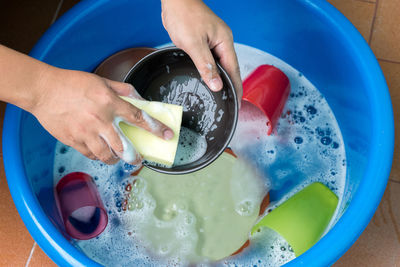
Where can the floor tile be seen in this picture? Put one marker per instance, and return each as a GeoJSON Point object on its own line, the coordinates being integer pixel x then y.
{"type": "Point", "coordinates": [40, 259]}
{"type": "Point", "coordinates": [386, 35]}
{"type": "Point", "coordinates": [392, 75]}
{"type": "Point", "coordinates": [16, 243]}
{"type": "Point", "coordinates": [22, 22]}
{"type": "Point", "coordinates": [379, 245]}
{"type": "Point", "coordinates": [360, 13]}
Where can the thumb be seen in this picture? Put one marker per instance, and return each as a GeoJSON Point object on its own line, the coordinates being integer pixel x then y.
{"type": "Point", "coordinates": [205, 64]}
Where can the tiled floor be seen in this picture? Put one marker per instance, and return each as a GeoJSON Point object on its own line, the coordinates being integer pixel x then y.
{"type": "Point", "coordinates": [377, 20]}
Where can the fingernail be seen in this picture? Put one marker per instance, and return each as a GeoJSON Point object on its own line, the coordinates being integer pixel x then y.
{"type": "Point", "coordinates": [168, 134]}
{"type": "Point", "coordinates": [132, 92]}
{"type": "Point", "coordinates": [215, 84]}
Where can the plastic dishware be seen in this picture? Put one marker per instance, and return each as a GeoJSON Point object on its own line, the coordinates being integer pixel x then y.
{"type": "Point", "coordinates": [80, 206]}
{"type": "Point", "coordinates": [169, 75]}
{"type": "Point", "coordinates": [303, 218]}
{"type": "Point", "coordinates": [268, 88]}
{"type": "Point", "coordinates": [117, 66]}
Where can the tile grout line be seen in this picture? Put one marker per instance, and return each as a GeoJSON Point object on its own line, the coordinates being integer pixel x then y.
{"type": "Point", "coordinates": [57, 11]}
{"type": "Point", "coordinates": [367, 1]}
{"type": "Point", "coordinates": [389, 61]}
{"type": "Point", "coordinates": [373, 22]}
{"type": "Point", "coordinates": [28, 261]}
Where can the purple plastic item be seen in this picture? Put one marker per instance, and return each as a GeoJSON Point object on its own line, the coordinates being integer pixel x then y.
{"type": "Point", "coordinates": [80, 206]}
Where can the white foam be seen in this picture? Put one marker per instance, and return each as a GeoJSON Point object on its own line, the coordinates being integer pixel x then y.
{"type": "Point", "coordinates": [246, 195]}
{"type": "Point", "coordinates": [190, 93]}
{"type": "Point", "coordinates": [150, 121]}
{"type": "Point", "coordinates": [267, 248]}
{"type": "Point", "coordinates": [276, 156]}
{"type": "Point", "coordinates": [129, 154]}
{"type": "Point", "coordinates": [191, 147]}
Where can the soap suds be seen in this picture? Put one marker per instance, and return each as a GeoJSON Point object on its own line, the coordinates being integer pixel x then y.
{"type": "Point", "coordinates": [129, 154]}
{"type": "Point", "coordinates": [191, 147]}
{"type": "Point", "coordinates": [150, 121]}
{"type": "Point", "coordinates": [282, 157]}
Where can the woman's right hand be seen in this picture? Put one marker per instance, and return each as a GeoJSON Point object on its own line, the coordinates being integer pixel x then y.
{"type": "Point", "coordinates": [79, 109]}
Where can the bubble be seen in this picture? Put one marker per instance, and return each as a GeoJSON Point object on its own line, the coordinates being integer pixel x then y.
{"type": "Point", "coordinates": [298, 140]}
{"type": "Point", "coordinates": [319, 131]}
{"type": "Point", "coordinates": [139, 205]}
{"type": "Point", "coordinates": [164, 249]}
{"type": "Point", "coordinates": [245, 208]}
{"type": "Point", "coordinates": [189, 219]}
{"type": "Point", "coordinates": [326, 140]}
{"type": "Point", "coordinates": [311, 110]}
{"type": "Point", "coordinates": [192, 146]}
{"type": "Point", "coordinates": [128, 167]}
{"type": "Point", "coordinates": [335, 145]}
{"type": "Point", "coordinates": [138, 186]}
{"type": "Point", "coordinates": [61, 169]}
{"type": "Point", "coordinates": [63, 149]}
{"type": "Point", "coordinates": [328, 132]}
{"type": "Point", "coordinates": [169, 214]}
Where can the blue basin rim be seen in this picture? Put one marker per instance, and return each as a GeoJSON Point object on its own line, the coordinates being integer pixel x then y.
{"type": "Point", "coordinates": [334, 244]}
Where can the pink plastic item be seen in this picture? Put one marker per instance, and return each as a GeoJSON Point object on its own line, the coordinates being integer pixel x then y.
{"type": "Point", "coordinates": [80, 206]}
{"type": "Point", "coordinates": [268, 88]}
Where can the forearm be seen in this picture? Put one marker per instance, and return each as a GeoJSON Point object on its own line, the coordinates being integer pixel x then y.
{"type": "Point", "coordinates": [22, 78]}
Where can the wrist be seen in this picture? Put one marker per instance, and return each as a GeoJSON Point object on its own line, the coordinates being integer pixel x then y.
{"type": "Point", "coordinates": [42, 80]}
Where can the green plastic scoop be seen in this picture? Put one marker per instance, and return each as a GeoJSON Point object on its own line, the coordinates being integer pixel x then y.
{"type": "Point", "coordinates": [303, 218]}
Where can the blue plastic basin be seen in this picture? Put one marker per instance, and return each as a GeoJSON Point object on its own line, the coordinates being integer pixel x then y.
{"type": "Point", "coordinates": [310, 35]}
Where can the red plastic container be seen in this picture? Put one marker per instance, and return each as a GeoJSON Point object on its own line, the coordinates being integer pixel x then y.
{"type": "Point", "coordinates": [80, 206]}
{"type": "Point", "coordinates": [268, 88]}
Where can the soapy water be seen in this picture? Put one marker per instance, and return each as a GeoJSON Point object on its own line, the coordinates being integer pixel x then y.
{"type": "Point", "coordinates": [191, 147]}
{"type": "Point", "coordinates": [192, 94]}
{"type": "Point", "coordinates": [307, 147]}
{"type": "Point", "coordinates": [129, 153]}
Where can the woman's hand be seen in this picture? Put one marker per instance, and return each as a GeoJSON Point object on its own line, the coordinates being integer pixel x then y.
{"type": "Point", "coordinates": [79, 109]}
{"type": "Point", "coordinates": [194, 28]}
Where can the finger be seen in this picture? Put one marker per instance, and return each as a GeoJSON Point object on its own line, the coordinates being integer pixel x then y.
{"type": "Point", "coordinates": [113, 141]}
{"type": "Point", "coordinates": [101, 150]}
{"type": "Point", "coordinates": [129, 154]}
{"type": "Point", "coordinates": [84, 150]}
{"type": "Point", "coordinates": [204, 61]}
{"type": "Point", "coordinates": [228, 60]}
{"type": "Point", "coordinates": [123, 89]}
{"type": "Point", "coordinates": [139, 118]}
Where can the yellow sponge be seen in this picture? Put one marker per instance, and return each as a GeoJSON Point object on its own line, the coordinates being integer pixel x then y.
{"type": "Point", "coordinates": [151, 147]}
